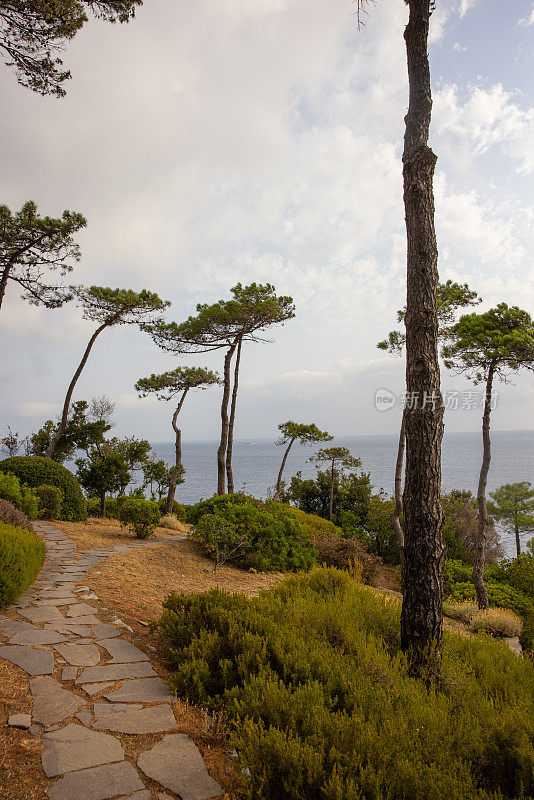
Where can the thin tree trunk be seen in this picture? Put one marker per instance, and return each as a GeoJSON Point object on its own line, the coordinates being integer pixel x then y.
{"type": "Point", "coordinates": [3, 282]}
{"type": "Point", "coordinates": [479, 555]}
{"type": "Point", "coordinates": [422, 614]}
{"type": "Point", "coordinates": [281, 472]}
{"type": "Point", "coordinates": [66, 405]}
{"type": "Point", "coordinates": [178, 467]}
{"type": "Point", "coordinates": [395, 517]}
{"type": "Point", "coordinates": [221, 452]}
{"type": "Point", "coordinates": [102, 504]}
{"type": "Point", "coordinates": [331, 492]}
{"type": "Point", "coordinates": [229, 447]}
{"type": "Point", "coordinates": [517, 541]}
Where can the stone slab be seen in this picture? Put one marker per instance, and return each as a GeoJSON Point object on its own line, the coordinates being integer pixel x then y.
{"type": "Point", "coordinates": [68, 673]}
{"type": "Point", "coordinates": [12, 626]}
{"type": "Point", "coordinates": [176, 764]}
{"type": "Point", "coordinates": [122, 651]}
{"type": "Point", "coordinates": [154, 719]}
{"type": "Point", "coordinates": [34, 662]}
{"type": "Point", "coordinates": [51, 702]}
{"type": "Point", "coordinates": [84, 716]}
{"type": "Point", "coordinates": [95, 688]}
{"type": "Point", "coordinates": [70, 630]}
{"type": "Point", "coordinates": [81, 610]}
{"type": "Point", "coordinates": [43, 614]}
{"type": "Point", "coordinates": [23, 721]}
{"type": "Point", "coordinates": [115, 672]}
{"type": "Point", "coordinates": [104, 709]}
{"type": "Point", "coordinates": [75, 748]}
{"type": "Point", "coordinates": [97, 783]}
{"type": "Point", "coordinates": [105, 631]}
{"type": "Point", "coordinates": [88, 619]}
{"type": "Point", "coordinates": [145, 690]}
{"type": "Point", "coordinates": [144, 795]}
{"type": "Point", "coordinates": [53, 602]}
{"type": "Point", "coordinates": [80, 655]}
{"type": "Point", "coordinates": [37, 636]}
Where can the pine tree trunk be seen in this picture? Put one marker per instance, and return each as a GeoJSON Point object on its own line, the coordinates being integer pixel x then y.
{"type": "Point", "coordinates": [66, 405]}
{"type": "Point", "coordinates": [422, 616]}
{"type": "Point", "coordinates": [281, 472]}
{"type": "Point", "coordinates": [395, 517]}
{"type": "Point", "coordinates": [479, 555]}
{"type": "Point", "coordinates": [221, 452]}
{"type": "Point", "coordinates": [3, 282]}
{"type": "Point", "coordinates": [230, 445]}
{"type": "Point", "coordinates": [517, 541]}
{"type": "Point", "coordinates": [178, 467]}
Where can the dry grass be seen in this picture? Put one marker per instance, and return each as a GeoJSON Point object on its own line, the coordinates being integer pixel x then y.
{"type": "Point", "coordinates": [497, 622]}
{"type": "Point", "coordinates": [98, 532]}
{"type": "Point", "coordinates": [137, 582]}
{"type": "Point", "coordinates": [21, 774]}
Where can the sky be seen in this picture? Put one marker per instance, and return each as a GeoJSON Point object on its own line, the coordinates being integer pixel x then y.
{"type": "Point", "coordinates": [260, 140]}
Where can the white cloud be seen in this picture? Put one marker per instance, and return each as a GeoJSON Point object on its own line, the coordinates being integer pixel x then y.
{"type": "Point", "coordinates": [459, 48]}
{"type": "Point", "coordinates": [529, 20]}
{"type": "Point", "coordinates": [37, 409]}
{"type": "Point", "coordinates": [465, 5]}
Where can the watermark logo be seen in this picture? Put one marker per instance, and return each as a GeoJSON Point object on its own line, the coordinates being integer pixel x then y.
{"type": "Point", "coordinates": [384, 400]}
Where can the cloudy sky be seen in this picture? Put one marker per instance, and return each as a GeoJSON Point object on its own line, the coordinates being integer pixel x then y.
{"type": "Point", "coordinates": [260, 140]}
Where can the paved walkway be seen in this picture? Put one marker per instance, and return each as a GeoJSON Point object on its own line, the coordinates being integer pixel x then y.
{"type": "Point", "coordinates": [87, 683]}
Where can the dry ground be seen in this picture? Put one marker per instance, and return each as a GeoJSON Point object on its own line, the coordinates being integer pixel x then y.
{"type": "Point", "coordinates": [97, 533]}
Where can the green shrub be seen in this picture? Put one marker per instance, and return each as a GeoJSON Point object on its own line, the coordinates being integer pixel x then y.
{"type": "Point", "coordinates": [217, 505]}
{"type": "Point", "coordinates": [19, 495]}
{"type": "Point", "coordinates": [178, 509]}
{"type": "Point", "coordinates": [260, 535]}
{"type": "Point", "coordinates": [320, 703]}
{"type": "Point", "coordinates": [50, 500]}
{"type": "Point", "coordinates": [142, 516]}
{"type": "Point", "coordinates": [454, 572]}
{"type": "Point", "coordinates": [13, 516]}
{"type": "Point", "coordinates": [36, 470]}
{"type": "Point", "coordinates": [464, 610]}
{"type": "Point", "coordinates": [93, 506]}
{"type": "Point", "coordinates": [21, 558]}
{"type": "Point", "coordinates": [518, 572]}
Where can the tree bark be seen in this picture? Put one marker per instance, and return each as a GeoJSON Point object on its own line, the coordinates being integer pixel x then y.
{"type": "Point", "coordinates": [479, 555]}
{"type": "Point", "coordinates": [178, 467]}
{"type": "Point", "coordinates": [66, 405]}
{"type": "Point", "coordinates": [229, 447]}
{"type": "Point", "coordinates": [221, 452]}
{"type": "Point", "coordinates": [331, 492]}
{"type": "Point", "coordinates": [395, 517]}
{"type": "Point", "coordinates": [422, 615]}
{"type": "Point", "coordinates": [3, 282]}
{"type": "Point", "coordinates": [281, 472]}
{"type": "Point", "coordinates": [517, 541]}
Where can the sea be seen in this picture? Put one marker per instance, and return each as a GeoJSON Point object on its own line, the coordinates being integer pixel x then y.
{"type": "Point", "coordinates": [256, 463]}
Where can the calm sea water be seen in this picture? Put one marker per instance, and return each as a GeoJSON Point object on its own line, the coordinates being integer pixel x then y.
{"type": "Point", "coordinates": [256, 463]}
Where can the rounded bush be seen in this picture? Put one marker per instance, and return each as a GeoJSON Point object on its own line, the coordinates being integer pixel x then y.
{"type": "Point", "coordinates": [19, 495]}
{"type": "Point", "coordinates": [21, 558]}
{"type": "Point", "coordinates": [13, 516]}
{"type": "Point", "coordinates": [178, 509]}
{"type": "Point", "coordinates": [50, 500]}
{"type": "Point", "coordinates": [497, 621]}
{"type": "Point", "coordinates": [169, 521]}
{"type": "Point", "coordinates": [37, 470]}
{"type": "Point", "coordinates": [142, 516]}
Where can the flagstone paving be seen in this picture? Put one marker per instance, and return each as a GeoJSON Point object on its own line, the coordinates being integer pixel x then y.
{"type": "Point", "coordinates": [55, 627]}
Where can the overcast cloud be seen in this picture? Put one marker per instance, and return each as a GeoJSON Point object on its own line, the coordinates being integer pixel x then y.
{"type": "Point", "coordinates": [260, 140]}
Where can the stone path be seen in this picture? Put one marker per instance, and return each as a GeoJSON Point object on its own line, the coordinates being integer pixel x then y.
{"type": "Point", "coordinates": [88, 682]}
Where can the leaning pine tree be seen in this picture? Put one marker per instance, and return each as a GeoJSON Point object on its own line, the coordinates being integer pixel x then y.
{"type": "Point", "coordinates": [168, 386]}
{"type": "Point", "coordinates": [108, 307]}
{"type": "Point", "coordinates": [291, 432]}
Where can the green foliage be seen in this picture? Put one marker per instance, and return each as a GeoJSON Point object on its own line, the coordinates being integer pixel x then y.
{"type": "Point", "coordinates": [31, 245]}
{"type": "Point", "coordinates": [168, 384]}
{"type": "Point", "coordinates": [513, 505]}
{"type": "Point", "coordinates": [21, 558]}
{"type": "Point", "coordinates": [156, 477]}
{"type": "Point", "coordinates": [336, 455]}
{"type": "Point", "coordinates": [217, 505]}
{"type": "Point", "coordinates": [36, 471]}
{"type": "Point", "coordinates": [107, 473]}
{"type": "Point", "coordinates": [460, 528]}
{"type": "Point", "coordinates": [254, 534]}
{"type": "Point", "coordinates": [81, 433]}
{"type": "Point", "coordinates": [110, 307]}
{"type": "Point", "coordinates": [18, 494]}
{"type": "Point", "coordinates": [178, 509]}
{"type": "Point", "coordinates": [13, 516]}
{"type": "Point", "coordinates": [351, 493]}
{"type": "Point", "coordinates": [298, 431]}
{"type": "Point", "coordinates": [518, 572]}
{"type": "Point", "coordinates": [321, 705]}
{"type": "Point", "coordinates": [33, 34]}
{"type": "Point", "coordinates": [50, 500]}
{"type": "Point", "coordinates": [142, 516]}
{"type": "Point", "coordinates": [454, 572]}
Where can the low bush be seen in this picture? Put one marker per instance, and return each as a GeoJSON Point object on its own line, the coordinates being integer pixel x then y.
{"type": "Point", "coordinates": [142, 516]}
{"type": "Point", "coordinates": [169, 521]}
{"type": "Point", "coordinates": [19, 495]}
{"type": "Point", "coordinates": [13, 516]}
{"type": "Point", "coordinates": [463, 610]}
{"type": "Point", "coordinates": [258, 535]}
{"type": "Point", "coordinates": [217, 505]}
{"type": "Point", "coordinates": [497, 621]}
{"type": "Point", "coordinates": [518, 572]}
{"type": "Point", "coordinates": [21, 558]}
{"type": "Point", "coordinates": [50, 500]}
{"type": "Point", "coordinates": [36, 470]}
{"type": "Point", "coordinates": [320, 703]}
{"type": "Point", "coordinates": [178, 509]}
